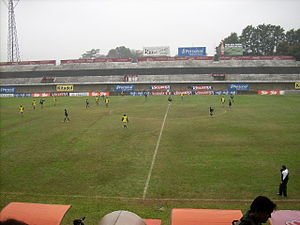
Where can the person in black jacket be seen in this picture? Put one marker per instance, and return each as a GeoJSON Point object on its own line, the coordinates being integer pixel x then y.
{"type": "Point", "coordinates": [260, 211]}
{"type": "Point", "coordinates": [284, 180]}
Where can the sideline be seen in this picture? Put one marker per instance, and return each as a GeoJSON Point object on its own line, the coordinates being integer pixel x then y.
{"type": "Point", "coordinates": [151, 199]}
{"type": "Point", "coordinates": [155, 153]}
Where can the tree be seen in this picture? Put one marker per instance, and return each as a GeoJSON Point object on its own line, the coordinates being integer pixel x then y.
{"type": "Point", "coordinates": [232, 39]}
{"type": "Point", "coordinates": [92, 54]}
{"type": "Point", "coordinates": [123, 52]}
{"type": "Point", "coordinates": [262, 40]}
{"type": "Point", "coordinates": [291, 45]}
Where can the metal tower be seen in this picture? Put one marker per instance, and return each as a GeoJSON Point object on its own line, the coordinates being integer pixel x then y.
{"type": "Point", "coordinates": [13, 53]}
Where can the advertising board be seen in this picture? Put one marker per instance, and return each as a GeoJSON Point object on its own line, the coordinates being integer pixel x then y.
{"type": "Point", "coordinates": [192, 51]}
{"type": "Point", "coordinates": [156, 51]}
{"type": "Point", "coordinates": [124, 87]}
{"type": "Point", "coordinates": [233, 49]}
{"type": "Point", "coordinates": [7, 90]}
{"type": "Point", "coordinates": [64, 87]}
{"type": "Point", "coordinates": [297, 85]}
{"type": "Point", "coordinates": [239, 87]}
{"type": "Point", "coordinates": [160, 87]}
{"type": "Point", "coordinates": [202, 87]}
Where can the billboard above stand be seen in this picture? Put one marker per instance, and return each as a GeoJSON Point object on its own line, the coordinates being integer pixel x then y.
{"type": "Point", "coordinates": [192, 51]}
{"type": "Point", "coordinates": [156, 51]}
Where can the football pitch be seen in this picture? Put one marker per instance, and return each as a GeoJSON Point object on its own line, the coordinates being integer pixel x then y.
{"type": "Point", "coordinates": [171, 155]}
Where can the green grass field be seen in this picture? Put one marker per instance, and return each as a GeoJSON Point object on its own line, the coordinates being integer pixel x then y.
{"type": "Point", "coordinates": [189, 159]}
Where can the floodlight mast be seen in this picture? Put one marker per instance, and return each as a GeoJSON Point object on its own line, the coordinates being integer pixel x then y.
{"type": "Point", "coordinates": [13, 53]}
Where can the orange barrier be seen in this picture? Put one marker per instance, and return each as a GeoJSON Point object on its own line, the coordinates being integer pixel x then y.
{"type": "Point", "coordinates": [34, 214]}
{"type": "Point", "coordinates": [152, 221]}
{"type": "Point", "coordinates": [204, 216]}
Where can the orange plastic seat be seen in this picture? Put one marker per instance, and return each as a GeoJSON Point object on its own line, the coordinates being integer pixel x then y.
{"type": "Point", "coordinates": [34, 214]}
{"type": "Point", "coordinates": [204, 216]}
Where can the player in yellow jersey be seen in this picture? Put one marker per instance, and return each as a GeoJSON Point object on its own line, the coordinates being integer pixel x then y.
{"type": "Point", "coordinates": [33, 104]}
{"type": "Point", "coordinates": [21, 110]}
{"type": "Point", "coordinates": [106, 100]}
{"type": "Point", "coordinates": [125, 120]}
{"type": "Point", "coordinates": [97, 99]}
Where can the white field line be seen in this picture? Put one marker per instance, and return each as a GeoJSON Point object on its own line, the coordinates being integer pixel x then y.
{"type": "Point", "coordinates": [155, 153]}
{"type": "Point", "coordinates": [139, 199]}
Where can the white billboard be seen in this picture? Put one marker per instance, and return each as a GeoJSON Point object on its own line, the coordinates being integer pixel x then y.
{"type": "Point", "coordinates": [156, 51]}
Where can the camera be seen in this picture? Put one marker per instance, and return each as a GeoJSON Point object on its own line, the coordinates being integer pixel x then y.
{"type": "Point", "coordinates": [79, 221]}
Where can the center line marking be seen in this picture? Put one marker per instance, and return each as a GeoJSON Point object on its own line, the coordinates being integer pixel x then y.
{"type": "Point", "coordinates": [155, 153]}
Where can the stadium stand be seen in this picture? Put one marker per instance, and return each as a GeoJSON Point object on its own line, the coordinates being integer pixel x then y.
{"type": "Point", "coordinates": [269, 72]}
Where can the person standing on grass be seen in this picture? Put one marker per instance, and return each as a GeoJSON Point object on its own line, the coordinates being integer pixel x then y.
{"type": "Point", "coordinates": [211, 111]}
{"type": "Point", "coordinates": [66, 116]}
{"type": "Point", "coordinates": [229, 103]}
{"type": "Point", "coordinates": [106, 101]}
{"type": "Point", "coordinates": [87, 104]}
{"type": "Point", "coordinates": [260, 211]}
{"type": "Point", "coordinates": [33, 104]}
{"type": "Point", "coordinates": [232, 98]}
{"type": "Point", "coordinates": [97, 99]}
{"type": "Point", "coordinates": [42, 102]}
{"type": "Point", "coordinates": [284, 172]}
{"type": "Point", "coordinates": [223, 101]}
{"type": "Point", "coordinates": [125, 120]}
{"type": "Point", "coordinates": [21, 110]}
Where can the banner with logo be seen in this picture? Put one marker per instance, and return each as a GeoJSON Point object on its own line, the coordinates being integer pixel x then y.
{"type": "Point", "coordinates": [37, 95]}
{"type": "Point", "coordinates": [297, 85]}
{"type": "Point", "coordinates": [202, 87]}
{"type": "Point", "coordinates": [80, 94]}
{"type": "Point", "coordinates": [233, 49]}
{"type": "Point", "coordinates": [6, 95]}
{"type": "Point", "coordinates": [271, 92]}
{"type": "Point", "coordinates": [183, 92]}
{"type": "Point", "coordinates": [156, 51]}
{"type": "Point", "coordinates": [225, 92]}
{"type": "Point", "coordinates": [94, 94]}
{"type": "Point", "coordinates": [22, 95]}
{"type": "Point", "coordinates": [7, 90]}
{"type": "Point", "coordinates": [124, 88]}
{"type": "Point", "coordinates": [160, 87]}
{"type": "Point", "coordinates": [65, 87]}
{"type": "Point", "coordinates": [192, 51]}
{"type": "Point", "coordinates": [239, 87]}
{"type": "Point", "coordinates": [203, 92]}
{"type": "Point", "coordinates": [160, 93]}
{"type": "Point", "coordinates": [59, 94]}
{"type": "Point", "coordinates": [139, 93]}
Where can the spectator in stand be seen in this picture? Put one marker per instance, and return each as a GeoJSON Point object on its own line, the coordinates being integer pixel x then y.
{"type": "Point", "coordinates": [260, 211]}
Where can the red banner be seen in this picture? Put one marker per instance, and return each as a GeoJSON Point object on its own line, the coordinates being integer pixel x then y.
{"type": "Point", "coordinates": [44, 62]}
{"type": "Point", "coordinates": [183, 92]}
{"type": "Point", "coordinates": [160, 87]}
{"type": "Point", "coordinates": [94, 94]}
{"type": "Point", "coordinates": [257, 58]}
{"type": "Point", "coordinates": [204, 92]}
{"type": "Point", "coordinates": [271, 92]}
{"type": "Point", "coordinates": [160, 93]}
{"type": "Point", "coordinates": [179, 58]}
{"type": "Point", "coordinates": [76, 61]}
{"type": "Point", "coordinates": [202, 87]}
{"type": "Point", "coordinates": [41, 94]}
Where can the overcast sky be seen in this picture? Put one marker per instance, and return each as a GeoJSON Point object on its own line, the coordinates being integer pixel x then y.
{"type": "Point", "coordinates": [65, 29]}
